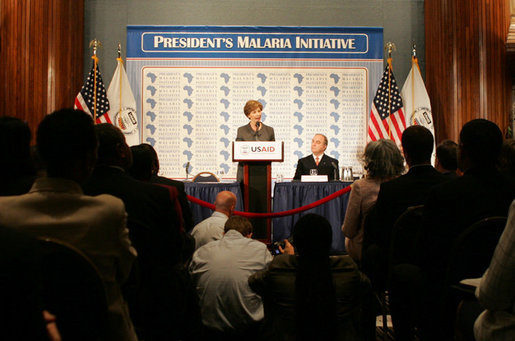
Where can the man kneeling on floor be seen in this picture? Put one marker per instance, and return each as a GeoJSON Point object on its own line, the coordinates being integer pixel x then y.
{"type": "Point", "coordinates": [221, 269]}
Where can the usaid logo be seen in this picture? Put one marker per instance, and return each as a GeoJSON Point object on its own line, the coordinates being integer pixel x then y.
{"type": "Point", "coordinates": [257, 149]}
{"type": "Point", "coordinates": [244, 149]}
{"type": "Point", "coordinates": [262, 149]}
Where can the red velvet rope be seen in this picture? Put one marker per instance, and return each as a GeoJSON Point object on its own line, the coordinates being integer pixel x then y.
{"type": "Point", "coordinates": [276, 214]}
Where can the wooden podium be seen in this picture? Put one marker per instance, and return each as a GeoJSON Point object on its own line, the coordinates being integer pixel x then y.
{"type": "Point", "coordinates": [257, 158]}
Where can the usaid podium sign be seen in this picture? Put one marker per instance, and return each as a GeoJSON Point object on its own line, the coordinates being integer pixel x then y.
{"type": "Point", "coordinates": [257, 151]}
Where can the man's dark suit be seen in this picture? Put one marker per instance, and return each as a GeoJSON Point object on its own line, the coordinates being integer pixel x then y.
{"type": "Point", "coordinates": [395, 197]}
{"type": "Point", "coordinates": [154, 230]}
{"type": "Point", "coordinates": [325, 167]}
{"type": "Point", "coordinates": [451, 208]}
{"type": "Point", "coordinates": [185, 206]}
{"type": "Point", "coordinates": [457, 204]}
{"type": "Point", "coordinates": [146, 204]}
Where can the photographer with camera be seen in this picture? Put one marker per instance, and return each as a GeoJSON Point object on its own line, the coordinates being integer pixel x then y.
{"type": "Point", "coordinates": [311, 295]}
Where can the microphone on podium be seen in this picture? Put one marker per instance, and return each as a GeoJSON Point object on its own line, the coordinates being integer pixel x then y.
{"type": "Point", "coordinates": [258, 123]}
{"type": "Point", "coordinates": [335, 171]}
{"type": "Point", "coordinates": [187, 169]}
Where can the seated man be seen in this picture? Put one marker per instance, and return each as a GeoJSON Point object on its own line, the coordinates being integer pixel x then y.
{"type": "Point", "coordinates": [146, 168]}
{"type": "Point", "coordinates": [212, 228]}
{"type": "Point", "coordinates": [481, 192]}
{"type": "Point", "coordinates": [311, 295]}
{"type": "Point", "coordinates": [221, 270]}
{"type": "Point", "coordinates": [447, 158]}
{"type": "Point", "coordinates": [17, 172]}
{"type": "Point", "coordinates": [394, 198]}
{"type": "Point", "coordinates": [323, 163]}
{"type": "Point", "coordinates": [153, 221]}
{"type": "Point", "coordinates": [56, 207]}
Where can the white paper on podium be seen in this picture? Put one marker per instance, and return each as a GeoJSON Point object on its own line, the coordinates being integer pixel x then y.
{"type": "Point", "coordinates": [314, 178]}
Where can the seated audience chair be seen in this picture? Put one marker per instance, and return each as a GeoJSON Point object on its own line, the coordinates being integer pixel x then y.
{"type": "Point", "coordinates": [470, 257]}
{"type": "Point", "coordinates": [405, 235]}
{"type": "Point", "coordinates": [403, 275]}
{"type": "Point", "coordinates": [73, 291]}
{"type": "Point", "coordinates": [205, 177]}
{"type": "Point", "coordinates": [473, 249]}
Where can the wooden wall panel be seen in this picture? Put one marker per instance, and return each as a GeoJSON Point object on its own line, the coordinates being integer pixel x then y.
{"type": "Point", "coordinates": [466, 71]}
{"type": "Point", "coordinates": [41, 51]}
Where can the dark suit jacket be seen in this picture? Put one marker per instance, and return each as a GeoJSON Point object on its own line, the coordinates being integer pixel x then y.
{"type": "Point", "coordinates": [394, 198]}
{"type": "Point", "coordinates": [324, 167]}
{"type": "Point", "coordinates": [397, 195]}
{"type": "Point", "coordinates": [185, 206]}
{"type": "Point", "coordinates": [245, 133]}
{"type": "Point", "coordinates": [154, 230]}
{"type": "Point", "coordinates": [454, 206]}
{"type": "Point", "coordinates": [150, 210]}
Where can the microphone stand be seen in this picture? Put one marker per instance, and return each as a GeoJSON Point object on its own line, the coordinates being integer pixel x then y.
{"type": "Point", "coordinates": [335, 172]}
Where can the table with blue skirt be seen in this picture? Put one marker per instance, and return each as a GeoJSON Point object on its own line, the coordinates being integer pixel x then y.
{"type": "Point", "coordinates": [290, 195]}
{"type": "Point", "coordinates": [207, 191]}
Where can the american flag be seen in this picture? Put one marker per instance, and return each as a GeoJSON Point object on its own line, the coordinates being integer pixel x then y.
{"type": "Point", "coordinates": [387, 119]}
{"type": "Point", "coordinates": [85, 98]}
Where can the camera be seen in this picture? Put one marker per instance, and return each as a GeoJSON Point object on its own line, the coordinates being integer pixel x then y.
{"type": "Point", "coordinates": [275, 246]}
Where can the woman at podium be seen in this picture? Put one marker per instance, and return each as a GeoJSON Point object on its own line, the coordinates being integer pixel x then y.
{"type": "Point", "coordinates": [255, 130]}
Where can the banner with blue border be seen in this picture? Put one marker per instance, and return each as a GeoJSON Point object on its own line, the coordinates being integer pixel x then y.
{"type": "Point", "coordinates": [191, 83]}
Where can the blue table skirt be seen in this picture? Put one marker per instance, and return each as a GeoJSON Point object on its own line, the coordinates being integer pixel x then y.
{"type": "Point", "coordinates": [207, 191]}
{"type": "Point", "coordinates": [290, 195]}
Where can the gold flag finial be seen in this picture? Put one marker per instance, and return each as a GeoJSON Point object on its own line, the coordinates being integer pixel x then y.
{"type": "Point", "coordinates": [390, 47]}
{"type": "Point", "coordinates": [95, 44]}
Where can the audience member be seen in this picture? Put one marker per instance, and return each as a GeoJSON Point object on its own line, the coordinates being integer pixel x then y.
{"type": "Point", "coordinates": [496, 290]}
{"type": "Point", "coordinates": [56, 207]}
{"type": "Point", "coordinates": [17, 173]}
{"type": "Point", "coordinates": [506, 161]}
{"type": "Point", "coordinates": [212, 228]}
{"type": "Point", "coordinates": [21, 307]}
{"type": "Point", "coordinates": [153, 221]}
{"type": "Point", "coordinates": [451, 207]}
{"type": "Point", "coordinates": [382, 162]}
{"type": "Point", "coordinates": [229, 308]}
{"type": "Point", "coordinates": [447, 158]}
{"type": "Point", "coordinates": [312, 296]}
{"type": "Point", "coordinates": [146, 168]}
{"type": "Point", "coordinates": [395, 197]}
{"type": "Point", "coordinates": [318, 160]}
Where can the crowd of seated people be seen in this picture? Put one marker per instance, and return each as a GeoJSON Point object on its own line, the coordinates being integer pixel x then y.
{"type": "Point", "coordinates": [107, 200]}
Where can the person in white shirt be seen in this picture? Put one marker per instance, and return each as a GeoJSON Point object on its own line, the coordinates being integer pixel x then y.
{"type": "Point", "coordinates": [496, 290]}
{"type": "Point", "coordinates": [221, 270]}
{"type": "Point", "coordinates": [212, 228]}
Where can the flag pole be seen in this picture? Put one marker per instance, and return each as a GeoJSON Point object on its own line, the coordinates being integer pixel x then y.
{"type": "Point", "coordinates": [120, 60]}
{"type": "Point", "coordinates": [95, 44]}
{"type": "Point", "coordinates": [414, 62]}
{"type": "Point", "coordinates": [390, 47]}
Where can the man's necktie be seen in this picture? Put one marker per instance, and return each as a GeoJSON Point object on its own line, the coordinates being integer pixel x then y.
{"type": "Point", "coordinates": [317, 160]}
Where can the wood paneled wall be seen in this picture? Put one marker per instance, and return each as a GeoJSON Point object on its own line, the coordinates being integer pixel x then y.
{"type": "Point", "coordinates": [41, 56]}
{"type": "Point", "coordinates": [466, 71]}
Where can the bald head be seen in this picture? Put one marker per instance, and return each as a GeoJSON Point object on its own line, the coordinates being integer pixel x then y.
{"type": "Point", "coordinates": [225, 202]}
